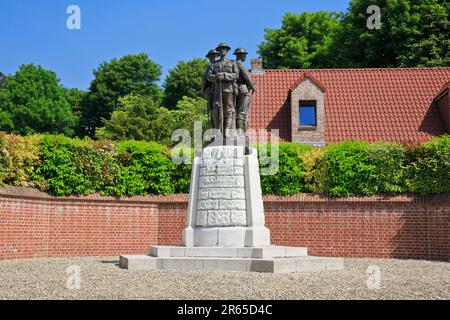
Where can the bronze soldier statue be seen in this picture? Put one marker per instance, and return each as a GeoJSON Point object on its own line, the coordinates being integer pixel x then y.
{"type": "Point", "coordinates": [208, 87]}
{"type": "Point", "coordinates": [224, 74]}
{"type": "Point", "coordinates": [246, 89]}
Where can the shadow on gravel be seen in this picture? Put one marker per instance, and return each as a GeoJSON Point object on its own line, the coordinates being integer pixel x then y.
{"type": "Point", "coordinates": [114, 262]}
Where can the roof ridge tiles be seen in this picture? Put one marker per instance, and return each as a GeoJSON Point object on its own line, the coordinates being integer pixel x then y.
{"type": "Point", "coordinates": [359, 69]}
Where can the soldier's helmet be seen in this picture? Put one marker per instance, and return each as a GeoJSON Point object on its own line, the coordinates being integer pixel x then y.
{"type": "Point", "coordinates": [212, 52]}
{"type": "Point", "coordinates": [240, 51]}
{"type": "Point", "coordinates": [223, 45]}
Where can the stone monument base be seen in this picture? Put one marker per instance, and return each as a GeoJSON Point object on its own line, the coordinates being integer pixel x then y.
{"type": "Point", "coordinates": [229, 237]}
{"type": "Point", "coordinates": [226, 225]}
{"type": "Point", "coordinates": [226, 206]}
{"type": "Point", "coordinates": [257, 259]}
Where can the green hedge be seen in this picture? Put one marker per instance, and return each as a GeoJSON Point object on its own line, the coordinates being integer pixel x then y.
{"type": "Point", "coordinates": [82, 167]}
{"type": "Point", "coordinates": [146, 169]}
{"type": "Point", "coordinates": [64, 166]}
{"type": "Point", "coordinates": [19, 158]}
{"type": "Point", "coordinates": [359, 168]}
{"type": "Point", "coordinates": [3, 159]}
{"type": "Point", "coordinates": [291, 170]}
{"type": "Point", "coordinates": [428, 170]}
{"type": "Point", "coordinates": [79, 167]}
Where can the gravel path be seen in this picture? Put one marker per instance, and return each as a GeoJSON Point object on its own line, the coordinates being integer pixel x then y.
{"type": "Point", "coordinates": [102, 279]}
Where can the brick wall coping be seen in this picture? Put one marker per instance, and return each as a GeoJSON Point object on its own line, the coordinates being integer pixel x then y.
{"type": "Point", "coordinates": [405, 198]}
{"type": "Point", "coordinates": [34, 194]}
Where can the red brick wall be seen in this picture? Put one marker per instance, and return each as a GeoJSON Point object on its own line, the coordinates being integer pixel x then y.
{"type": "Point", "coordinates": [172, 221]}
{"type": "Point", "coordinates": [401, 227]}
{"type": "Point", "coordinates": [38, 226]}
{"type": "Point", "coordinates": [33, 224]}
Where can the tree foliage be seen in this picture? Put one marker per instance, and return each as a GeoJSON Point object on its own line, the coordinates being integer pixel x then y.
{"type": "Point", "coordinates": [188, 111]}
{"type": "Point", "coordinates": [412, 34]}
{"type": "Point", "coordinates": [301, 42]}
{"type": "Point", "coordinates": [185, 80]}
{"type": "Point", "coordinates": [2, 80]}
{"type": "Point", "coordinates": [32, 101]}
{"type": "Point", "coordinates": [139, 118]}
{"type": "Point", "coordinates": [77, 101]}
{"type": "Point", "coordinates": [131, 74]}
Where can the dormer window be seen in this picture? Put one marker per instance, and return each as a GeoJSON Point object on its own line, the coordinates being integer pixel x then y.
{"type": "Point", "coordinates": [308, 114]}
{"type": "Point", "coordinates": [307, 100]}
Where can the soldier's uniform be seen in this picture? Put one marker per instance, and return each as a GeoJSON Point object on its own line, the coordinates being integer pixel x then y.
{"type": "Point", "coordinates": [246, 85]}
{"type": "Point", "coordinates": [224, 74]}
{"type": "Point", "coordinates": [208, 88]}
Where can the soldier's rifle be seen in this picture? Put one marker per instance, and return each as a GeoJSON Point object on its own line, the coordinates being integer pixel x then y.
{"type": "Point", "coordinates": [221, 107]}
{"type": "Point", "coordinates": [249, 108]}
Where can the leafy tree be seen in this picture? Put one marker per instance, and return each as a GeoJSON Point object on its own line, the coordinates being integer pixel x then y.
{"type": "Point", "coordinates": [32, 101]}
{"type": "Point", "coordinates": [139, 118]}
{"type": "Point", "coordinates": [5, 117]}
{"type": "Point", "coordinates": [189, 110]}
{"type": "Point", "coordinates": [185, 80]}
{"type": "Point", "coordinates": [412, 34]}
{"type": "Point", "coordinates": [430, 46]}
{"type": "Point", "coordinates": [302, 41]}
{"type": "Point", "coordinates": [2, 80]}
{"type": "Point", "coordinates": [131, 74]}
{"type": "Point", "coordinates": [77, 101]}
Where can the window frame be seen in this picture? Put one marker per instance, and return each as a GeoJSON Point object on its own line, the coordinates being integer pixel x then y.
{"type": "Point", "coordinates": [307, 103]}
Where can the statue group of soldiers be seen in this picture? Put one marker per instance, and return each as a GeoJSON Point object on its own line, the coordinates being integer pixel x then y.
{"type": "Point", "coordinates": [229, 88]}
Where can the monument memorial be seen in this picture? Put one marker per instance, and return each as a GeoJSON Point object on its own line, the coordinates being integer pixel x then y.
{"type": "Point", "coordinates": [225, 227]}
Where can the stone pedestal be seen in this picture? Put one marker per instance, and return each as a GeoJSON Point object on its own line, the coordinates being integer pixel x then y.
{"type": "Point", "coordinates": [226, 205]}
{"type": "Point", "coordinates": [225, 224]}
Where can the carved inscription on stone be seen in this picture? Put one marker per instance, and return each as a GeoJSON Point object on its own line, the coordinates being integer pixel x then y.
{"type": "Point", "coordinates": [221, 200]}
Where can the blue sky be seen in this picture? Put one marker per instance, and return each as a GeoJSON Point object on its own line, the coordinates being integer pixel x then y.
{"type": "Point", "coordinates": [34, 31]}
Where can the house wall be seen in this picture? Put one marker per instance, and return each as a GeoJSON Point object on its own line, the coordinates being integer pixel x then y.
{"type": "Point", "coordinates": [308, 90]}
{"type": "Point", "coordinates": [37, 225]}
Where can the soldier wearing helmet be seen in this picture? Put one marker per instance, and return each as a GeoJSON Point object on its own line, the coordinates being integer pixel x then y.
{"type": "Point", "coordinates": [224, 74]}
{"type": "Point", "coordinates": [246, 88]}
{"type": "Point", "coordinates": [207, 86]}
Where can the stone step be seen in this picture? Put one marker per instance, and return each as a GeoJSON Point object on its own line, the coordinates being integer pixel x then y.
{"type": "Point", "coordinates": [276, 265]}
{"type": "Point", "coordinates": [255, 253]}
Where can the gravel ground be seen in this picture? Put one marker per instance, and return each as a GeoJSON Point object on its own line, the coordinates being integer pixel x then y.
{"type": "Point", "coordinates": [102, 279]}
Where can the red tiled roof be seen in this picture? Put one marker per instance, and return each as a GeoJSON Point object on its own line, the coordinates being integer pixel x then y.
{"type": "Point", "coordinates": [444, 89]}
{"type": "Point", "coordinates": [307, 75]}
{"type": "Point", "coordinates": [360, 104]}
